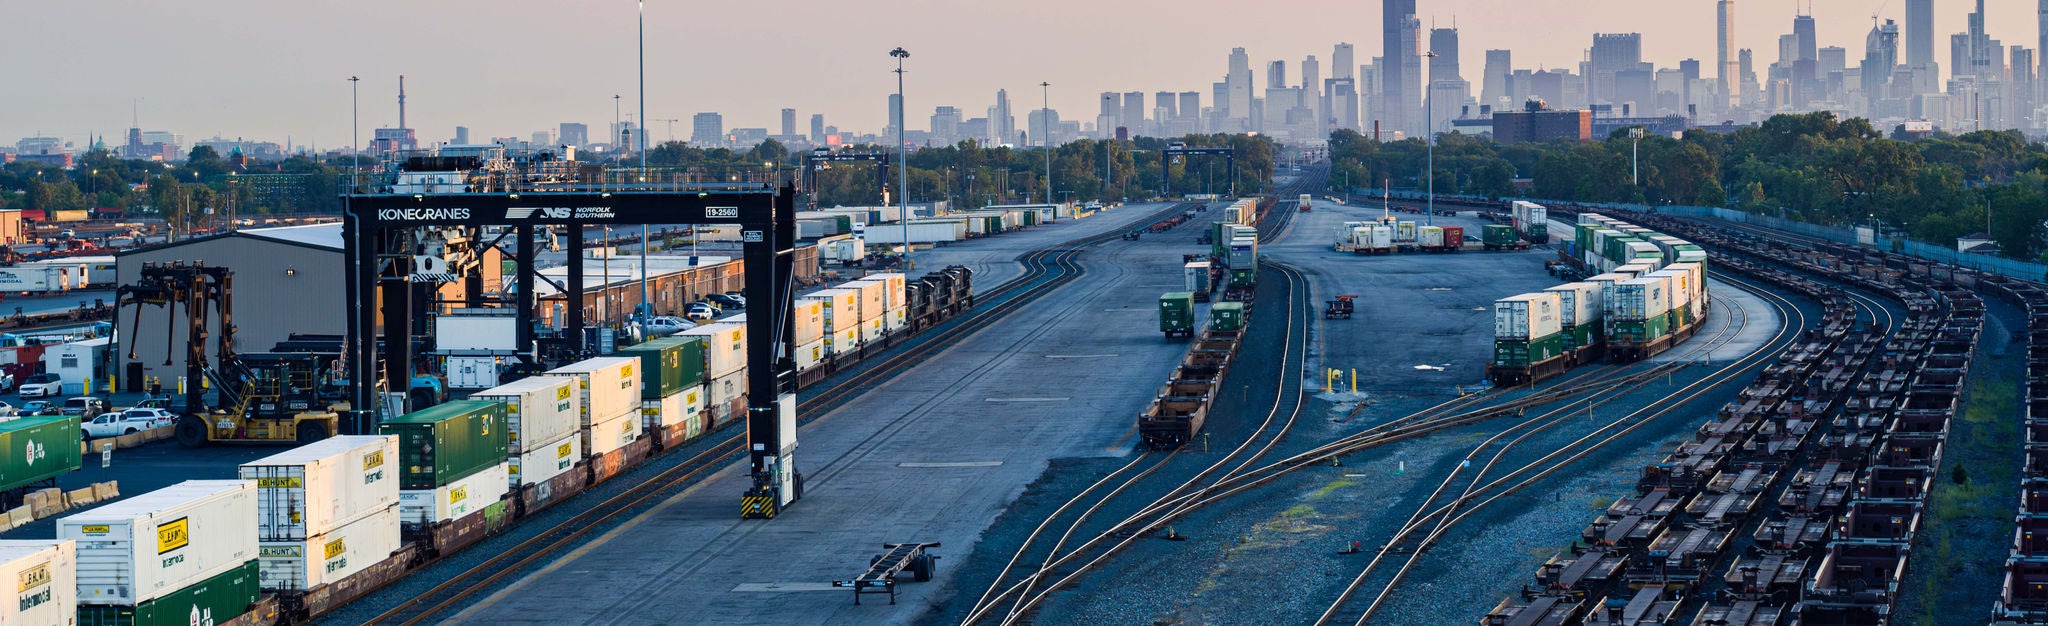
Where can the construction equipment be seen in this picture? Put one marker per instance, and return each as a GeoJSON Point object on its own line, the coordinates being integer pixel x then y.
{"type": "Point", "coordinates": [288, 398]}
{"type": "Point", "coordinates": [1340, 308]}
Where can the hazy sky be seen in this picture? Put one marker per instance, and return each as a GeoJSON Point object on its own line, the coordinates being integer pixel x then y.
{"type": "Point", "coordinates": [267, 69]}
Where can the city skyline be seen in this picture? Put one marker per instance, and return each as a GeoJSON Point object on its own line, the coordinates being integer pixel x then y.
{"type": "Point", "coordinates": [303, 97]}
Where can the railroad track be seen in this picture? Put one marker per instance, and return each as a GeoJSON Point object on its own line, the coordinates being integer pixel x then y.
{"type": "Point", "coordinates": [1046, 270]}
{"type": "Point", "coordinates": [1474, 495]}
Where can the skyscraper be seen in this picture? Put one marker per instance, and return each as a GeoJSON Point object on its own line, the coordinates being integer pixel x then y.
{"type": "Point", "coordinates": [1312, 93]}
{"type": "Point", "coordinates": [1133, 116]}
{"type": "Point", "coordinates": [1238, 87]}
{"type": "Point", "coordinates": [2041, 86]}
{"type": "Point", "coordinates": [574, 134]}
{"type": "Point", "coordinates": [1401, 76]}
{"type": "Point", "coordinates": [1983, 62]}
{"type": "Point", "coordinates": [1727, 75]}
{"type": "Point", "coordinates": [1920, 33]}
{"type": "Point", "coordinates": [1444, 66]}
{"type": "Point", "coordinates": [1493, 87]}
{"type": "Point", "coordinates": [1000, 121]}
{"type": "Point", "coordinates": [1166, 103]}
{"type": "Point", "coordinates": [817, 129]}
{"type": "Point", "coordinates": [1880, 56]}
{"type": "Point", "coordinates": [789, 122]}
{"type": "Point", "coordinates": [1191, 109]}
{"type": "Point", "coordinates": [1341, 59]}
{"type": "Point", "coordinates": [1276, 75]}
{"type": "Point", "coordinates": [1612, 52]}
{"type": "Point", "coordinates": [707, 129]}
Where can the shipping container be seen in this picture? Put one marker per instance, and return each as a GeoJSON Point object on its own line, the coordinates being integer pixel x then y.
{"type": "Point", "coordinates": [612, 434]}
{"type": "Point", "coordinates": [38, 448]}
{"type": "Point", "coordinates": [668, 364]}
{"type": "Point", "coordinates": [216, 600]}
{"type": "Point", "coordinates": [1382, 239]}
{"type": "Point", "coordinates": [721, 394]}
{"type": "Point", "coordinates": [725, 347]}
{"type": "Point", "coordinates": [157, 543]}
{"type": "Point", "coordinates": [45, 572]}
{"type": "Point", "coordinates": [941, 230]}
{"type": "Point", "coordinates": [1497, 235]}
{"type": "Point", "coordinates": [323, 485]}
{"type": "Point", "coordinates": [544, 461]}
{"type": "Point", "coordinates": [1454, 237]}
{"type": "Point", "coordinates": [34, 279]}
{"type": "Point", "coordinates": [807, 325]}
{"type": "Point", "coordinates": [1177, 313]}
{"type": "Point", "coordinates": [1404, 232]}
{"type": "Point", "coordinates": [1527, 317]}
{"type": "Point", "coordinates": [841, 307]}
{"type": "Point", "coordinates": [1578, 303]}
{"type": "Point", "coordinates": [537, 408]}
{"type": "Point", "coordinates": [425, 507]}
{"type": "Point", "coordinates": [873, 297]}
{"type": "Point", "coordinates": [809, 355]}
{"type": "Point", "coordinates": [675, 408]}
{"type": "Point", "coordinates": [1227, 316]}
{"type": "Point", "coordinates": [608, 387]}
{"type": "Point", "coordinates": [330, 556]}
{"type": "Point", "coordinates": [448, 442]}
{"type": "Point", "coordinates": [1526, 352]}
{"type": "Point", "coordinates": [1430, 237]}
{"type": "Point", "coordinates": [1195, 276]}
{"type": "Point", "coordinates": [1637, 299]}
{"type": "Point", "coordinates": [1643, 252]}
{"type": "Point", "coordinates": [465, 329]}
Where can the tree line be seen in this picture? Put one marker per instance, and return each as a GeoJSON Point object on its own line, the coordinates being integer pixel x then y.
{"type": "Point", "coordinates": [1811, 167]}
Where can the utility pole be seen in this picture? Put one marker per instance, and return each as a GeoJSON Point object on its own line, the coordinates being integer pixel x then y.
{"type": "Point", "coordinates": [1045, 129]}
{"type": "Point", "coordinates": [646, 307]}
{"type": "Point", "coordinates": [902, 156]}
{"type": "Point", "coordinates": [1635, 135]}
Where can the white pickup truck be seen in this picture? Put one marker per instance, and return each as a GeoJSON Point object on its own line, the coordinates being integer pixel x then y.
{"type": "Point", "coordinates": [126, 422]}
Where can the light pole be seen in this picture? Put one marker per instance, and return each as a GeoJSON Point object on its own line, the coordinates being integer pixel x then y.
{"type": "Point", "coordinates": [1429, 139]}
{"type": "Point", "coordinates": [1045, 130]}
{"type": "Point", "coordinates": [354, 130]}
{"type": "Point", "coordinates": [902, 156]}
{"type": "Point", "coordinates": [645, 309]}
{"type": "Point", "coordinates": [1107, 138]}
{"type": "Point", "coordinates": [1635, 135]}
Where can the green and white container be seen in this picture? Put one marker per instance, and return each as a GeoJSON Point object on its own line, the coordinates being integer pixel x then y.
{"type": "Point", "coordinates": [1527, 317]}
{"type": "Point", "coordinates": [544, 461]}
{"type": "Point", "coordinates": [38, 448]}
{"type": "Point", "coordinates": [446, 443]}
{"type": "Point", "coordinates": [1227, 316]}
{"type": "Point", "coordinates": [469, 494]}
{"type": "Point", "coordinates": [669, 364]}
{"type": "Point", "coordinates": [216, 600]}
{"type": "Point", "coordinates": [675, 408]}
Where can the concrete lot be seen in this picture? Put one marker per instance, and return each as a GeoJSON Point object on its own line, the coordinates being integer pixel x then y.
{"type": "Point", "coordinates": [933, 455]}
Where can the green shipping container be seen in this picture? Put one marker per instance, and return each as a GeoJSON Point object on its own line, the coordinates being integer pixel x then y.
{"type": "Point", "coordinates": [668, 365]}
{"type": "Point", "coordinates": [1576, 337]}
{"type": "Point", "coordinates": [1244, 276]}
{"type": "Point", "coordinates": [1519, 353]}
{"type": "Point", "coordinates": [1177, 312]}
{"type": "Point", "coordinates": [1583, 234]}
{"type": "Point", "coordinates": [34, 449]}
{"type": "Point", "coordinates": [445, 443]}
{"type": "Point", "coordinates": [1497, 235]}
{"type": "Point", "coordinates": [1538, 233]}
{"type": "Point", "coordinates": [216, 600]}
{"type": "Point", "coordinates": [1643, 331]}
{"type": "Point", "coordinates": [1227, 316]}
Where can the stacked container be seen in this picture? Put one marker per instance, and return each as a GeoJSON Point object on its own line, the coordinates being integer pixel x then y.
{"type": "Point", "coordinates": [451, 461]}
{"type": "Point", "coordinates": [543, 416]}
{"type": "Point", "coordinates": [1579, 304]}
{"type": "Point", "coordinates": [807, 321]}
{"type": "Point", "coordinates": [874, 308]}
{"type": "Point", "coordinates": [725, 367]}
{"type": "Point", "coordinates": [895, 306]}
{"type": "Point", "coordinates": [325, 510]}
{"type": "Point", "coordinates": [1527, 329]}
{"type": "Point", "coordinates": [672, 394]}
{"type": "Point", "coordinates": [184, 552]}
{"type": "Point", "coordinates": [1636, 309]}
{"type": "Point", "coordinates": [842, 318]}
{"type": "Point", "coordinates": [609, 392]}
{"type": "Point", "coordinates": [45, 572]}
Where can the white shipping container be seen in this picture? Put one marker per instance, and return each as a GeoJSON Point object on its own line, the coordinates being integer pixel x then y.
{"type": "Point", "coordinates": [476, 329]}
{"type": "Point", "coordinates": [1196, 276]}
{"type": "Point", "coordinates": [331, 556]}
{"type": "Point", "coordinates": [807, 321]}
{"type": "Point", "coordinates": [1526, 316]}
{"type": "Point", "coordinates": [1637, 299]}
{"type": "Point", "coordinates": [893, 296]}
{"type": "Point", "coordinates": [611, 434]}
{"type": "Point", "coordinates": [1382, 238]}
{"type": "Point", "coordinates": [672, 409]}
{"type": "Point", "coordinates": [544, 461]}
{"type": "Point", "coordinates": [872, 330]}
{"type": "Point", "coordinates": [845, 341]}
{"type": "Point", "coordinates": [1579, 302]}
{"type": "Point", "coordinates": [323, 485]}
{"type": "Point", "coordinates": [725, 348]}
{"type": "Point", "coordinates": [34, 279]}
{"type": "Point", "coordinates": [922, 231]}
{"type": "Point", "coordinates": [141, 548]}
{"type": "Point", "coordinates": [606, 386]}
{"type": "Point", "coordinates": [463, 497]}
{"type": "Point", "coordinates": [842, 307]}
{"type": "Point", "coordinates": [874, 299]}
{"type": "Point", "coordinates": [809, 355]}
{"type": "Point", "coordinates": [537, 408]}
{"type": "Point", "coordinates": [720, 392]}
{"type": "Point", "coordinates": [896, 318]}
{"type": "Point", "coordinates": [1680, 282]}
{"type": "Point", "coordinates": [1430, 237]}
{"type": "Point", "coordinates": [45, 572]}
{"type": "Point", "coordinates": [1404, 232]}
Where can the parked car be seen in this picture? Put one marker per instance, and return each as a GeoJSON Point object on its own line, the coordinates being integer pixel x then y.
{"type": "Point", "coordinates": [665, 325]}
{"type": "Point", "coordinates": [727, 301]}
{"type": "Point", "coordinates": [38, 407]}
{"type": "Point", "coordinates": [42, 385]}
{"type": "Point", "coordinates": [83, 405]}
{"type": "Point", "coordinates": [125, 422]}
{"type": "Point", "coordinates": [700, 311]}
{"type": "Point", "coordinates": [8, 410]}
{"type": "Point", "coordinates": [6, 381]}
